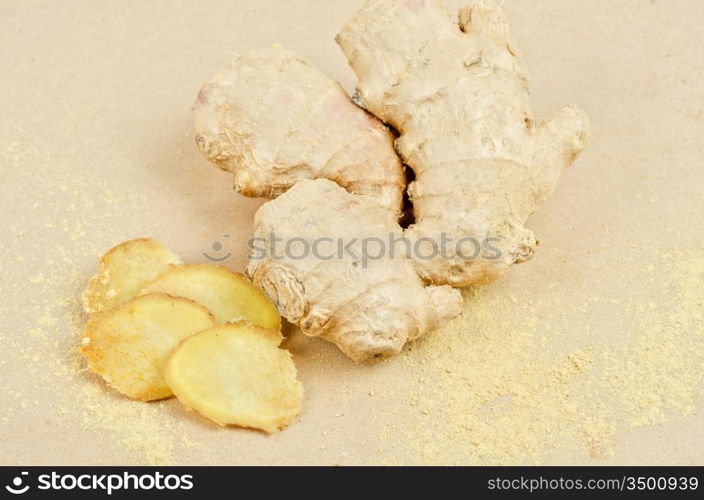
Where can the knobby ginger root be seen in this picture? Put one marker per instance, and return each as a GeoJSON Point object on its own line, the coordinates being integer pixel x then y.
{"type": "Point", "coordinates": [369, 308]}
{"type": "Point", "coordinates": [272, 119]}
{"type": "Point", "coordinates": [458, 94]}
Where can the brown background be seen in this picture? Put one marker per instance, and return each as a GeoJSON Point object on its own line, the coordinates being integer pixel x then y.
{"type": "Point", "coordinates": [96, 147]}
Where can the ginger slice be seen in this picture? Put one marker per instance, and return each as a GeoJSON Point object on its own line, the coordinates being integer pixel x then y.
{"type": "Point", "coordinates": [124, 270]}
{"type": "Point", "coordinates": [228, 295]}
{"type": "Point", "coordinates": [128, 345]}
{"type": "Point", "coordinates": [236, 374]}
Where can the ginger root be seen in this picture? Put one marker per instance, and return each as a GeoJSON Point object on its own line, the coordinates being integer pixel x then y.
{"type": "Point", "coordinates": [458, 94]}
{"type": "Point", "coordinates": [368, 308]}
{"type": "Point", "coordinates": [272, 119]}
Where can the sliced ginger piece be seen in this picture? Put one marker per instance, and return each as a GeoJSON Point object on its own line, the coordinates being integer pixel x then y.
{"type": "Point", "coordinates": [230, 296]}
{"type": "Point", "coordinates": [236, 374]}
{"type": "Point", "coordinates": [124, 270]}
{"type": "Point", "coordinates": [128, 345]}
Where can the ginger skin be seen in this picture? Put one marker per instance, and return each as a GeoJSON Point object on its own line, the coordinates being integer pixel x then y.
{"type": "Point", "coordinates": [272, 119]}
{"type": "Point", "coordinates": [368, 309]}
{"type": "Point", "coordinates": [458, 94]}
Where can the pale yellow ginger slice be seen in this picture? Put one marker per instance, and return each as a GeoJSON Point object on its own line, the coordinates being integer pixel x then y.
{"type": "Point", "coordinates": [453, 86]}
{"type": "Point", "coordinates": [124, 270]}
{"type": "Point", "coordinates": [273, 119]}
{"type": "Point", "coordinates": [128, 345]}
{"type": "Point", "coordinates": [229, 295]}
{"type": "Point", "coordinates": [336, 281]}
{"type": "Point", "coordinates": [236, 374]}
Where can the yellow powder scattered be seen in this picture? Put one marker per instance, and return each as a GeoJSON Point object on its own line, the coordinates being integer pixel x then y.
{"type": "Point", "coordinates": [497, 386]}
{"type": "Point", "coordinates": [508, 382]}
{"type": "Point", "coordinates": [45, 283]}
{"type": "Point", "coordinates": [134, 427]}
{"type": "Point", "coordinates": [661, 371]}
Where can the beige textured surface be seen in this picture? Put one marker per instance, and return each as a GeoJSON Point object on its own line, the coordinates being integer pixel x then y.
{"type": "Point", "coordinates": [591, 353]}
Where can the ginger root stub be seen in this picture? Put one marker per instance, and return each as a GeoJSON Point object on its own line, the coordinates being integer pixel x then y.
{"type": "Point", "coordinates": [273, 119]}
{"type": "Point", "coordinates": [453, 86]}
{"type": "Point", "coordinates": [368, 308]}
